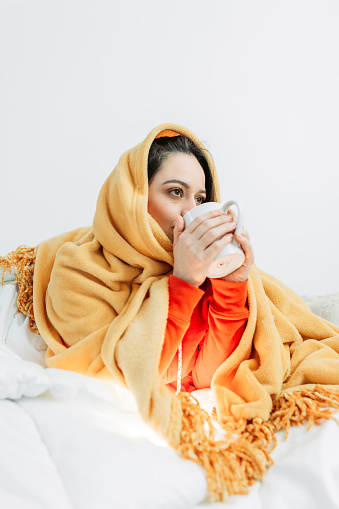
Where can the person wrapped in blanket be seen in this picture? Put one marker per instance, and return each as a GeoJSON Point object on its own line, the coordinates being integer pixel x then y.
{"type": "Point", "coordinates": [207, 315]}
{"type": "Point", "coordinates": [118, 299]}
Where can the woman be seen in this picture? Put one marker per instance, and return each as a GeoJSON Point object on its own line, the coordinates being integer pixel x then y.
{"type": "Point", "coordinates": [207, 316]}
{"type": "Point", "coordinates": [116, 300]}
{"type": "Point", "coordinates": [138, 234]}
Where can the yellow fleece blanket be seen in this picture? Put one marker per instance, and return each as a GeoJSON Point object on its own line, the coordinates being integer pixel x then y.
{"type": "Point", "coordinates": [100, 301]}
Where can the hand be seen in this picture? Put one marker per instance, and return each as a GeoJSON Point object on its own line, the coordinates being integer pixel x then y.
{"type": "Point", "coordinates": [195, 247]}
{"type": "Point", "coordinates": [242, 273]}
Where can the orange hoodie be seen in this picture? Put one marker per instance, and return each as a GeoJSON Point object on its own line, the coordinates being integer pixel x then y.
{"type": "Point", "coordinates": [209, 321]}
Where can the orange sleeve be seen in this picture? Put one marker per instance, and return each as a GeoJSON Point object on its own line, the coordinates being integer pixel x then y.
{"type": "Point", "coordinates": [227, 317]}
{"type": "Point", "coordinates": [183, 298]}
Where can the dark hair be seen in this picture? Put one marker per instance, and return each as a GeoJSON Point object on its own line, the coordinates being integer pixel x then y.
{"type": "Point", "coordinates": [162, 147]}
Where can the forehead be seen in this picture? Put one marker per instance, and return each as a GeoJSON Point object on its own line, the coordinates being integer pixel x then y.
{"type": "Point", "coordinates": [184, 167]}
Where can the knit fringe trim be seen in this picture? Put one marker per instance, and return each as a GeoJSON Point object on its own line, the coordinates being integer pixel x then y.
{"type": "Point", "coordinates": [243, 456]}
{"type": "Point", "coordinates": [231, 465]}
{"type": "Point", "coordinates": [23, 258]}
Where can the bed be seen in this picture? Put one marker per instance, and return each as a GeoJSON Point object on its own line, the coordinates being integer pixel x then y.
{"type": "Point", "coordinates": [69, 441]}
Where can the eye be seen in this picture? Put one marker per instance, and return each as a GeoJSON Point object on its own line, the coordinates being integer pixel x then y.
{"type": "Point", "coordinates": [200, 199]}
{"type": "Point", "coordinates": [176, 192]}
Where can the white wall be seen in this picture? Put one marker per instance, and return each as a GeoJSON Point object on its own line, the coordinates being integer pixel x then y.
{"type": "Point", "coordinates": [83, 80]}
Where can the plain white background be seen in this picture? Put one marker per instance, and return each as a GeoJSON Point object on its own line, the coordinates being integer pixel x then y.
{"type": "Point", "coordinates": [257, 81]}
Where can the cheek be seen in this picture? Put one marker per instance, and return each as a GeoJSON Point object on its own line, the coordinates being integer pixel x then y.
{"type": "Point", "coordinates": [162, 211]}
{"type": "Point", "coordinates": [154, 207]}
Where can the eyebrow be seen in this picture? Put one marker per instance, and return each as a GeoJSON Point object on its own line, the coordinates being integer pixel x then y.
{"type": "Point", "coordinates": [184, 184]}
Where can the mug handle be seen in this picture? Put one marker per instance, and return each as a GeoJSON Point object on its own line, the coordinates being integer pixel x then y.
{"type": "Point", "coordinates": [240, 224]}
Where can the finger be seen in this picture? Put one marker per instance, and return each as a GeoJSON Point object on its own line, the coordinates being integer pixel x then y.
{"type": "Point", "coordinates": [216, 233]}
{"type": "Point", "coordinates": [235, 218]}
{"type": "Point", "coordinates": [246, 247]}
{"type": "Point", "coordinates": [178, 229]}
{"type": "Point", "coordinates": [218, 245]}
{"type": "Point", "coordinates": [233, 214]}
{"type": "Point", "coordinates": [245, 233]}
{"type": "Point", "coordinates": [210, 224]}
{"type": "Point", "coordinates": [209, 217]}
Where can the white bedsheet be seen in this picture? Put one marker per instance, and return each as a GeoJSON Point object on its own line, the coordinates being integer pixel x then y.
{"type": "Point", "coordinates": [69, 441]}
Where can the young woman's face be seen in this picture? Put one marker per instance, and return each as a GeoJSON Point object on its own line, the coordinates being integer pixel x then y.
{"type": "Point", "coordinates": [177, 187]}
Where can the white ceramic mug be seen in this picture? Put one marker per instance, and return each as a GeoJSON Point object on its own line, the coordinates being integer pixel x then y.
{"type": "Point", "coordinates": [231, 257]}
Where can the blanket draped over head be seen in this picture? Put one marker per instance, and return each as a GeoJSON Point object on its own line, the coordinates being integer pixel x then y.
{"type": "Point", "coordinates": [100, 302]}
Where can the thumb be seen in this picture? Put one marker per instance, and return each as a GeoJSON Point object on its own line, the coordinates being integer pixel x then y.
{"type": "Point", "coordinates": [178, 229]}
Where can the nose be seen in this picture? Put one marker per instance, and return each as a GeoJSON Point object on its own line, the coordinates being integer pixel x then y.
{"type": "Point", "coordinates": [189, 205]}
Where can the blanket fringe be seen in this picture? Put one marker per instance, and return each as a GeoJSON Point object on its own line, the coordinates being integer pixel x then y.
{"type": "Point", "coordinates": [231, 465]}
{"type": "Point", "coordinates": [304, 405]}
{"type": "Point", "coordinates": [23, 259]}
{"type": "Point", "coordinates": [243, 456]}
